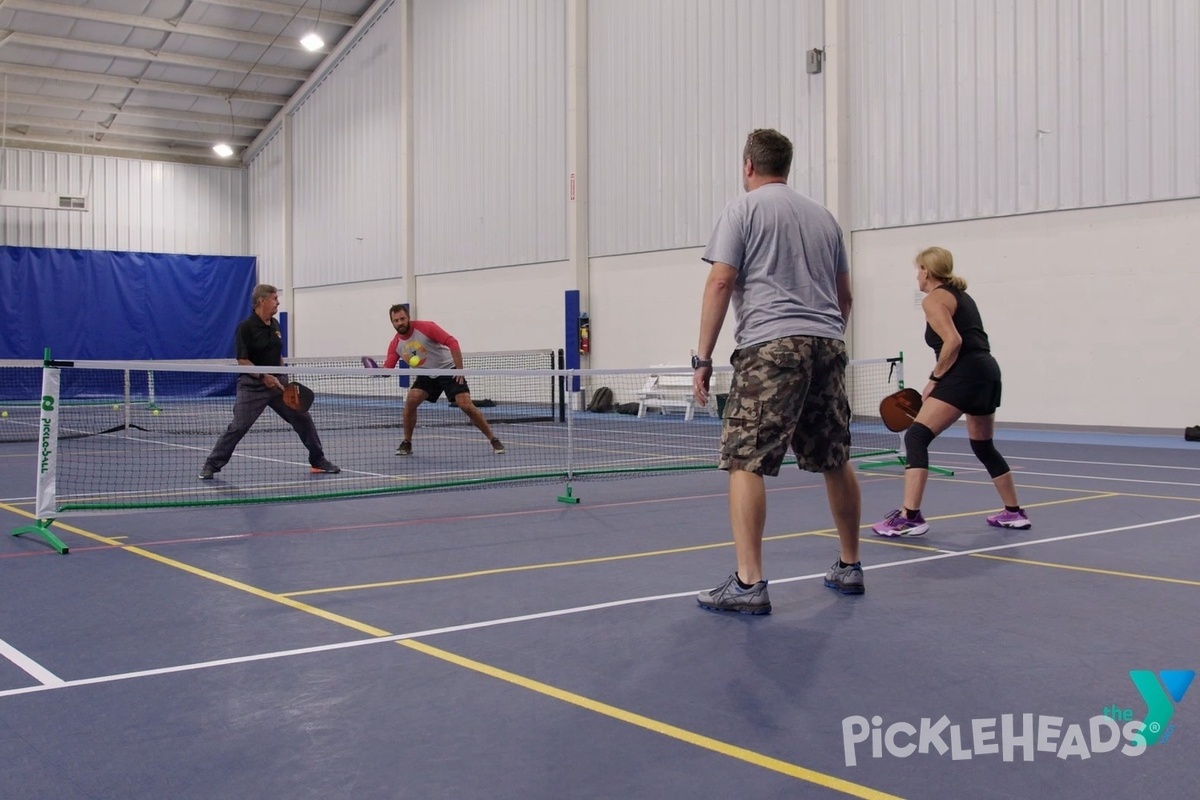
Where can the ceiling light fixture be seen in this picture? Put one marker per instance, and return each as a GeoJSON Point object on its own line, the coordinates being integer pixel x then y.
{"type": "Point", "coordinates": [312, 40]}
{"type": "Point", "coordinates": [224, 149]}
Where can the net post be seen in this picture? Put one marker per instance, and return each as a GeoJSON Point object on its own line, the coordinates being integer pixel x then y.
{"type": "Point", "coordinates": [46, 462]}
{"type": "Point", "coordinates": [152, 405]}
{"type": "Point", "coordinates": [900, 460]}
{"type": "Point", "coordinates": [562, 387]}
{"type": "Point", "coordinates": [128, 397]}
{"type": "Point", "coordinates": [569, 496]}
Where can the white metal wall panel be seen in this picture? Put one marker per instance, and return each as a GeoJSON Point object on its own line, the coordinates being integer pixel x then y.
{"type": "Point", "coordinates": [347, 182]}
{"type": "Point", "coordinates": [268, 207]}
{"type": "Point", "coordinates": [489, 133]}
{"type": "Point", "coordinates": [138, 206]}
{"type": "Point", "coordinates": [963, 109]}
{"type": "Point", "coordinates": [674, 87]}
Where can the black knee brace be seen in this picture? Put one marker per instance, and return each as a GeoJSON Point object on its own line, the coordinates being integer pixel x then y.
{"type": "Point", "coordinates": [989, 456]}
{"type": "Point", "coordinates": [916, 446]}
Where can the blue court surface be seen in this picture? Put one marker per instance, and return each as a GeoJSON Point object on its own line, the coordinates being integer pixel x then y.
{"type": "Point", "coordinates": [495, 643]}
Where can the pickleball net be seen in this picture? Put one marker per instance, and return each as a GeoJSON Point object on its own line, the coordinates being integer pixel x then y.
{"type": "Point", "coordinates": [134, 435]}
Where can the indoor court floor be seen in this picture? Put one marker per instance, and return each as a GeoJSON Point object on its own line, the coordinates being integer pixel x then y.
{"type": "Point", "coordinates": [495, 643]}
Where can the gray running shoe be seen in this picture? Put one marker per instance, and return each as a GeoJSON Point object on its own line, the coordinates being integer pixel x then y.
{"type": "Point", "coordinates": [731, 597]}
{"type": "Point", "coordinates": [207, 472]}
{"type": "Point", "coordinates": [497, 447]}
{"type": "Point", "coordinates": [847, 580]}
{"type": "Point", "coordinates": [405, 448]}
{"type": "Point", "coordinates": [325, 466]}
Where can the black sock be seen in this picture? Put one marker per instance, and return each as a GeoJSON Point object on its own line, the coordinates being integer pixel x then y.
{"type": "Point", "coordinates": [843, 564]}
{"type": "Point", "coordinates": [741, 585]}
{"type": "Point", "coordinates": [912, 513]}
{"type": "Point", "coordinates": [1013, 509]}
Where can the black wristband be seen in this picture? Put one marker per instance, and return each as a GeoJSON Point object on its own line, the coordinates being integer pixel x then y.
{"type": "Point", "coordinates": [935, 378]}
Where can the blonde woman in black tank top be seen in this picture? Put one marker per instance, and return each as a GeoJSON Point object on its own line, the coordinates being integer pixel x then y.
{"type": "Point", "coordinates": [965, 381]}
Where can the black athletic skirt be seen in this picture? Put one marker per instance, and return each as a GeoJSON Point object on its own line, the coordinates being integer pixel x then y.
{"type": "Point", "coordinates": [972, 385]}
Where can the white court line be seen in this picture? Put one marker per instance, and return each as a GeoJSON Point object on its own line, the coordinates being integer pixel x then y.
{"type": "Point", "coordinates": [59, 684]}
{"type": "Point", "coordinates": [1075, 461]}
{"type": "Point", "coordinates": [1107, 479]}
{"type": "Point", "coordinates": [1108, 463]}
{"type": "Point", "coordinates": [39, 673]}
{"type": "Point", "coordinates": [1019, 474]}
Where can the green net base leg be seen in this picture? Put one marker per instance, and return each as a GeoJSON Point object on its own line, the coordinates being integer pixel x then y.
{"type": "Point", "coordinates": [569, 497]}
{"type": "Point", "coordinates": [42, 528]}
{"type": "Point", "coordinates": [899, 461]}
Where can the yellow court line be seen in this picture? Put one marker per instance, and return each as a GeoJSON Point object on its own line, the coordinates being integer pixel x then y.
{"type": "Point", "coordinates": [629, 717]}
{"type": "Point", "coordinates": [212, 576]}
{"type": "Point", "coordinates": [480, 573]}
{"type": "Point", "coordinates": [1157, 497]}
{"type": "Point", "coordinates": [829, 532]}
{"type": "Point", "coordinates": [988, 482]}
{"type": "Point", "coordinates": [655, 726]}
{"type": "Point", "coordinates": [1094, 570]}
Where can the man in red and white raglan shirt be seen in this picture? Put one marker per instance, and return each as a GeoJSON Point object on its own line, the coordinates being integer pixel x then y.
{"type": "Point", "coordinates": [422, 344]}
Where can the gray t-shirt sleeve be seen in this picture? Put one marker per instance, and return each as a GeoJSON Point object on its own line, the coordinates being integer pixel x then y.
{"type": "Point", "coordinates": [727, 245]}
{"type": "Point", "coordinates": [843, 263]}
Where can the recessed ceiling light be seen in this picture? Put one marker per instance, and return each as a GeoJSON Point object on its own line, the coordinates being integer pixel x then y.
{"type": "Point", "coordinates": [223, 150]}
{"type": "Point", "coordinates": [312, 42]}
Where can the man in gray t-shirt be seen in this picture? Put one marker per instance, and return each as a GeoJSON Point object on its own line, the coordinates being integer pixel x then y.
{"type": "Point", "coordinates": [779, 256]}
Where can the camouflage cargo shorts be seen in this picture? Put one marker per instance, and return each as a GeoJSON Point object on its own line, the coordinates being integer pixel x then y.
{"type": "Point", "coordinates": [787, 391]}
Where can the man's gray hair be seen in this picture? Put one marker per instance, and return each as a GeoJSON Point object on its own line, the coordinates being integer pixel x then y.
{"type": "Point", "coordinates": [263, 290]}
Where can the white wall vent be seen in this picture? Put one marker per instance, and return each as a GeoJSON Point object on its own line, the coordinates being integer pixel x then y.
{"type": "Point", "coordinates": [63, 202]}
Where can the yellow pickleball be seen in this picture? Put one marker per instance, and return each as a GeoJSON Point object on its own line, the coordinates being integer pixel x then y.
{"type": "Point", "coordinates": [3, 413]}
{"type": "Point", "coordinates": [414, 361]}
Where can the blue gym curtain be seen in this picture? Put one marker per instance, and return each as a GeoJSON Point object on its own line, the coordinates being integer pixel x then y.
{"type": "Point", "coordinates": [101, 304]}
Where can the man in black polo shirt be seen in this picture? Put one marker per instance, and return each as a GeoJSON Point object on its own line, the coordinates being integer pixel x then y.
{"type": "Point", "coordinates": [259, 341]}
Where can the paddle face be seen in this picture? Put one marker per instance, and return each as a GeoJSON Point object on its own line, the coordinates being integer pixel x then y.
{"type": "Point", "coordinates": [370, 363]}
{"type": "Point", "coordinates": [899, 409]}
{"type": "Point", "coordinates": [298, 397]}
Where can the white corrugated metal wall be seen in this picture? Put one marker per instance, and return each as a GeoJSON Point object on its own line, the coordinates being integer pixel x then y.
{"type": "Point", "coordinates": [489, 133]}
{"type": "Point", "coordinates": [139, 206]}
{"type": "Point", "coordinates": [268, 232]}
{"type": "Point", "coordinates": [674, 88]}
{"type": "Point", "coordinates": [975, 109]}
{"type": "Point", "coordinates": [347, 166]}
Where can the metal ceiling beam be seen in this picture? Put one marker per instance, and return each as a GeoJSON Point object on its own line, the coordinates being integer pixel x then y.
{"type": "Point", "coordinates": [151, 112]}
{"type": "Point", "coordinates": [99, 132]}
{"type": "Point", "coordinates": [88, 78]}
{"type": "Point", "coordinates": [154, 23]}
{"type": "Point", "coordinates": [160, 57]}
{"type": "Point", "coordinates": [136, 150]}
{"type": "Point", "coordinates": [344, 45]}
{"type": "Point", "coordinates": [284, 10]}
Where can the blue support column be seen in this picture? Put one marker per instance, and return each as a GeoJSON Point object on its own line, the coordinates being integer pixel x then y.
{"type": "Point", "coordinates": [571, 334]}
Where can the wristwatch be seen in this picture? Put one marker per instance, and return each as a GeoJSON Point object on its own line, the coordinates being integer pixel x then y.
{"type": "Point", "coordinates": [698, 362]}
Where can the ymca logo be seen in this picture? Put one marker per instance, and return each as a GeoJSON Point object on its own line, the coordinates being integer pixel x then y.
{"type": "Point", "coordinates": [1159, 692]}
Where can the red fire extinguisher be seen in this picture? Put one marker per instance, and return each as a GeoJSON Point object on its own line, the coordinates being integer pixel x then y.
{"type": "Point", "coordinates": [585, 333]}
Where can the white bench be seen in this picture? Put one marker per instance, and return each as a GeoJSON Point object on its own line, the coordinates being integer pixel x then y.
{"type": "Point", "coordinates": [670, 389]}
